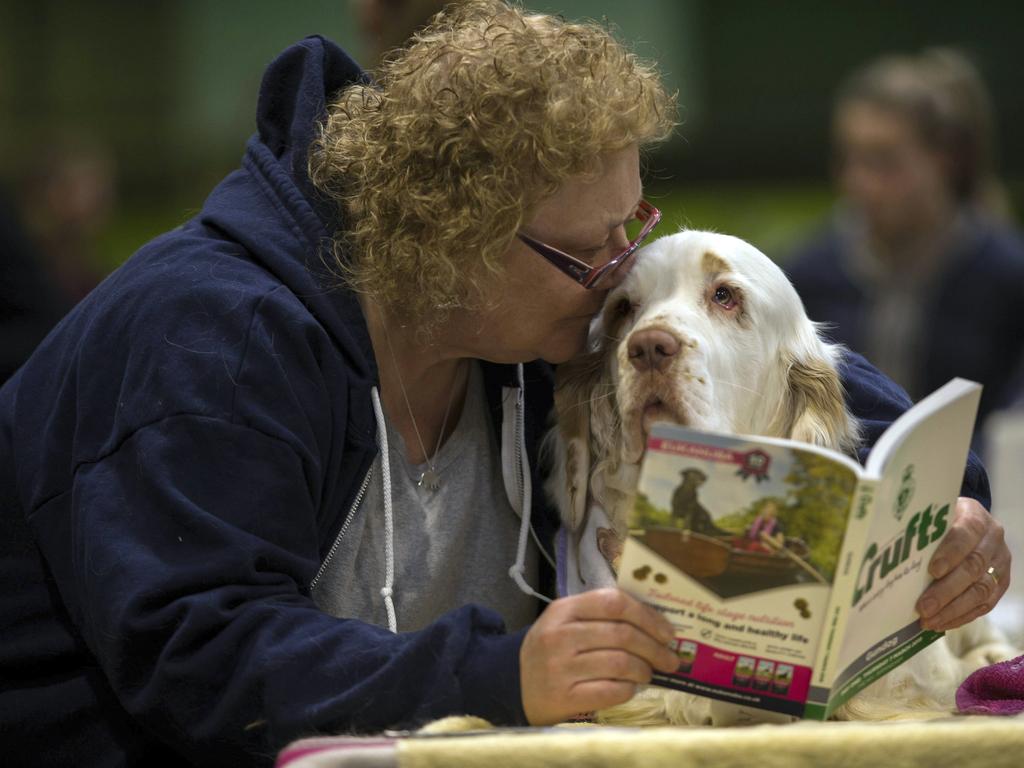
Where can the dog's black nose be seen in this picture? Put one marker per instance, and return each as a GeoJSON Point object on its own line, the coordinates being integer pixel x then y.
{"type": "Point", "coordinates": [652, 350]}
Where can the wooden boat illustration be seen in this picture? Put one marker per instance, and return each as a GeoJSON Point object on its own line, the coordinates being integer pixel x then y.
{"type": "Point", "coordinates": [710, 557]}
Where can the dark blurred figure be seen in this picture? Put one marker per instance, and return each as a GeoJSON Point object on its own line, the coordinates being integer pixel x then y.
{"type": "Point", "coordinates": [29, 303]}
{"type": "Point", "coordinates": [48, 243]}
{"type": "Point", "coordinates": [387, 24]}
{"type": "Point", "coordinates": [917, 268]}
{"type": "Point", "coordinates": [67, 203]}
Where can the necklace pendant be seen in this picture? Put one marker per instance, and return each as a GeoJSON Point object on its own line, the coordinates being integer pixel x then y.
{"type": "Point", "coordinates": [430, 480]}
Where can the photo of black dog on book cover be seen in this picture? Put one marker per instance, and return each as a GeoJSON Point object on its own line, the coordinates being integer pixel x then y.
{"type": "Point", "coordinates": [787, 529]}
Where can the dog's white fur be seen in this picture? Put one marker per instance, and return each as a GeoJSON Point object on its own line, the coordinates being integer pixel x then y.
{"type": "Point", "coordinates": [748, 361]}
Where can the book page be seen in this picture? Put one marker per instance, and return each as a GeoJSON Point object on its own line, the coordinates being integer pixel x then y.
{"type": "Point", "coordinates": [735, 541]}
{"type": "Point", "coordinates": [914, 502]}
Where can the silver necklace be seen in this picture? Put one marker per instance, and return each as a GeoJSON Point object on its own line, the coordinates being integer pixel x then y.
{"type": "Point", "coordinates": [430, 478]}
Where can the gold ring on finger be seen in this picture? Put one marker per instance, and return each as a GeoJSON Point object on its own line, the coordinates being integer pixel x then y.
{"type": "Point", "coordinates": [992, 572]}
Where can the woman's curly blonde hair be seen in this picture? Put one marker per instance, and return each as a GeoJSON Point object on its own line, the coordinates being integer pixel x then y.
{"type": "Point", "coordinates": [484, 114]}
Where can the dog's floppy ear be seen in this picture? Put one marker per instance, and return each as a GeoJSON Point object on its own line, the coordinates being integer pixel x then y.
{"type": "Point", "coordinates": [575, 385]}
{"type": "Point", "coordinates": [814, 408]}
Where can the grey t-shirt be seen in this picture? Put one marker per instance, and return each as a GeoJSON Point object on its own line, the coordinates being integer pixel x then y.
{"type": "Point", "coordinates": [453, 546]}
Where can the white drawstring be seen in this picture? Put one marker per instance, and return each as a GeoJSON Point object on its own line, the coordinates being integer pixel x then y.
{"type": "Point", "coordinates": [389, 520]}
{"type": "Point", "coordinates": [518, 568]}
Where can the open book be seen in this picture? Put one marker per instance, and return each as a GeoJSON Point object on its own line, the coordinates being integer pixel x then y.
{"type": "Point", "coordinates": [789, 571]}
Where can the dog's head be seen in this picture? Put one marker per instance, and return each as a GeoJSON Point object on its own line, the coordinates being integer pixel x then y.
{"type": "Point", "coordinates": [705, 331]}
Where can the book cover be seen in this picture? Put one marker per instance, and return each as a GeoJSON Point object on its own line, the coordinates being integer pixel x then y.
{"type": "Point", "coordinates": [785, 568]}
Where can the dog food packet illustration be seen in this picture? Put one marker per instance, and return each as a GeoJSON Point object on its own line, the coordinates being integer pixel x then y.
{"type": "Point", "coordinates": [764, 674]}
{"type": "Point", "coordinates": [687, 651]}
{"type": "Point", "coordinates": [743, 672]}
{"type": "Point", "coordinates": [783, 678]}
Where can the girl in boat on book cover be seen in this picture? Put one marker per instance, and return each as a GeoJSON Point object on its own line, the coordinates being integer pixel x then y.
{"type": "Point", "coordinates": [766, 533]}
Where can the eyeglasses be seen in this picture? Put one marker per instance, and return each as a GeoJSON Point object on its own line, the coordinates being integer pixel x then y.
{"type": "Point", "coordinates": [645, 219]}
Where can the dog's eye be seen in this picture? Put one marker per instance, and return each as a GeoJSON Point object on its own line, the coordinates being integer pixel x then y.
{"type": "Point", "coordinates": [624, 307]}
{"type": "Point", "coordinates": [725, 297]}
{"type": "Point", "coordinates": [618, 313]}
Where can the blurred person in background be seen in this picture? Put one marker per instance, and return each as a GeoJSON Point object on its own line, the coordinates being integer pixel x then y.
{"type": "Point", "coordinates": [48, 236]}
{"type": "Point", "coordinates": [67, 202]}
{"type": "Point", "coordinates": [918, 268]}
{"type": "Point", "coordinates": [387, 24]}
{"type": "Point", "coordinates": [30, 304]}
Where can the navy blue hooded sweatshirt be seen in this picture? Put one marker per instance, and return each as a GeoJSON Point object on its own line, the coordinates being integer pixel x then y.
{"type": "Point", "coordinates": [176, 460]}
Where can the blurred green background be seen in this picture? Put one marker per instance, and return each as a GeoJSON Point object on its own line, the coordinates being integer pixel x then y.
{"type": "Point", "coordinates": [163, 94]}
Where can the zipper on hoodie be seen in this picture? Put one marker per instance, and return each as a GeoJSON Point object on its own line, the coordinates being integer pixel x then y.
{"type": "Point", "coordinates": [344, 527]}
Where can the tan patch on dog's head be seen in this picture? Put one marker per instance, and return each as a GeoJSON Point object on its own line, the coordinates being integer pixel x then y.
{"type": "Point", "coordinates": [714, 267]}
{"type": "Point", "coordinates": [712, 264]}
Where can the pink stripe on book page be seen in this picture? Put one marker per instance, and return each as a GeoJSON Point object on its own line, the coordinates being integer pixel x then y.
{"type": "Point", "coordinates": [338, 752]}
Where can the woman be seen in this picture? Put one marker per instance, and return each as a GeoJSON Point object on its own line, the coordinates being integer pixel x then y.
{"type": "Point", "coordinates": [917, 269]}
{"type": "Point", "coordinates": [247, 503]}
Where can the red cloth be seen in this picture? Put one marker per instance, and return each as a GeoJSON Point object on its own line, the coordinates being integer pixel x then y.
{"type": "Point", "coordinates": [997, 689]}
{"type": "Point", "coordinates": [761, 525]}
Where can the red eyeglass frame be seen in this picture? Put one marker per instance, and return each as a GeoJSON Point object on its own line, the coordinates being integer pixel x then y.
{"type": "Point", "coordinates": [580, 271]}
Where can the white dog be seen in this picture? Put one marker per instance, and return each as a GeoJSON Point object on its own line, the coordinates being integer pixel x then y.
{"type": "Point", "coordinates": [706, 331]}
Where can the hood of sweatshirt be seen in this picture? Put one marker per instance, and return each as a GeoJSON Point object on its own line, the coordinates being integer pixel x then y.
{"type": "Point", "coordinates": [289, 231]}
{"type": "Point", "coordinates": [271, 209]}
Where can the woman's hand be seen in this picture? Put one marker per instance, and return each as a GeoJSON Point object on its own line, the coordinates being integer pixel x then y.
{"type": "Point", "coordinates": [971, 568]}
{"type": "Point", "coordinates": [591, 651]}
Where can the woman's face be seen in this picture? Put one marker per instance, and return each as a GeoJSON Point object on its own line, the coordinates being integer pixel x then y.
{"type": "Point", "coordinates": [541, 312]}
{"type": "Point", "coordinates": [887, 173]}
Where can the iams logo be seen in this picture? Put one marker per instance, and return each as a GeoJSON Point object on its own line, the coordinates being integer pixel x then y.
{"type": "Point", "coordinates": [906, 492]}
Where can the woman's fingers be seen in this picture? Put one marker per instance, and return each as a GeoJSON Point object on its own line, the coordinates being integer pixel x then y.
{"type": "Point", "coordinates": [975, 598]}
{"type": "Point", "coordinates": [610, 665]}
{"type": "Point", "coordinates": [592, 695]}
{"type": "Point", "coordinates": [616, 605]}
{"type": "Point", "coordinates": [589, 636]}
{"type": "Point", "coordinates": [968, 526]}
{"type": "Point", "coordinates": [590, 651]}
{"type": "Point", "coordinates": [964, 588]}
